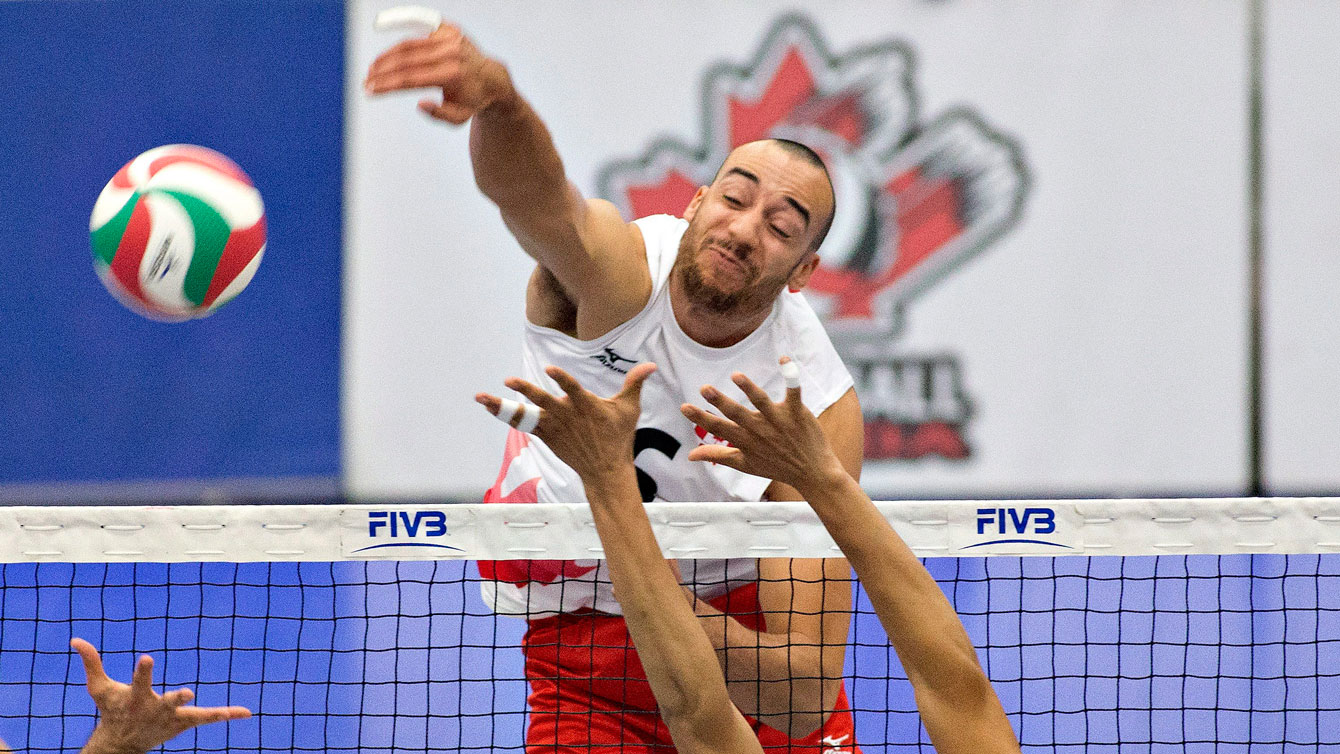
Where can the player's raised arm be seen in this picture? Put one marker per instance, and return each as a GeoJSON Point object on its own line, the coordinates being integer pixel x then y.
{"type": "Point", "coordinates": [595, 437]}
{"type": "Point", "coordinates": [593, 254]}
{"type": "Point", "coordinates": [134, 719]}
{"type": "Point", "coordinates": [783, 441]}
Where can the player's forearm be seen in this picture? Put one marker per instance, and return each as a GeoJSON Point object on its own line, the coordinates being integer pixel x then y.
{"type": "Point", "coordinates": [784, 680]}
{"type": "Point", "coordinates": [676, 656]}
{"type": "Point", "coordinates": [515, 162]}
{"type": "Point", "coordinates": [922, 625]}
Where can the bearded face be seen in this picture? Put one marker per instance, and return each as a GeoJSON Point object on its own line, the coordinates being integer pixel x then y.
{"type": "Point", "coordinates": [723, 276]}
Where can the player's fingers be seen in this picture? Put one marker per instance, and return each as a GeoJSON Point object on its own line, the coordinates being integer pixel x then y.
{"type": "Point", "coordinates": [142, 682]}
{"type": "Point", "coordinates": [632, 384]}
{"type": "Point", "coordinates": [791, 376]}
{"type": "Point", "coordinates": [178, 697]}
{"type": "Point", "coordinates": [94, 675]}
{"type": "Point", "coordinates": [721, 454]}
{"type": "Point", "coordinates": [437, 76]}
{"type": "Point", "coordinates": [727, 406]}
{"type": "Point", "coordinates": [537, 395]}
{"type": "Point", "coordinates": [194, 716]}
{"type": "Point", "coordinates": [407, 54]}
{"type": "Point", "coordinates": [756, 395]}
{"type": "Point", "coordinates": [722, 428]}
{"type": "Point", "coordinates": [569, 384]}
{"type": "Point", "coordinates": [523, 417]}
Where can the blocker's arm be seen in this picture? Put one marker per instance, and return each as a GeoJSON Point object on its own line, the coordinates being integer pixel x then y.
{"type": "Point", "coordinates": [595, 437]}
{"type": "Point", "coordinates": [783, 441]}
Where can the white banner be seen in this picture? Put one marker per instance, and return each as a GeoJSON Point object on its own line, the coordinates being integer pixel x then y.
{"type": "Point", "coordinates": [1302, 225]}
{"type": "Point", "coordinates": [1037, 271]}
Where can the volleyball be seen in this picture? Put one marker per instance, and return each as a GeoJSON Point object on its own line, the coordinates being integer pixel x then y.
{"type": "Point", "coordinates": [178, 232]}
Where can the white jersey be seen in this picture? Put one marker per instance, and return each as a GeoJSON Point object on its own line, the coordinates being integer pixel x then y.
{"type": "Point", "coordinates": [532, 473]}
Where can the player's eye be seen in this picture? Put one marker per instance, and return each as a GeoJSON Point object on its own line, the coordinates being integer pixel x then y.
{"type": "Point", "coordinates": [732, 201]}
{"type": "Point", "coordinates": [781, 232]}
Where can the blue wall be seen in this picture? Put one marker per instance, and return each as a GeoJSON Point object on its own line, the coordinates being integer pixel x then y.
{"type": "Point", "coordinates": [92, 392]}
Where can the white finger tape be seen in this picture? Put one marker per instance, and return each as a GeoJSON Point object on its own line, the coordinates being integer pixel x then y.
{"type": "Point", "coordinates": [530, 415]}
{"type": "Point", "coordinates": [410, 17]}
{"type": "Point", "coordinates": [791, 373]}
{"type": "Point", "coordinates": [507, 411]}
{"type": "Point", "coordinates": [530, 418]}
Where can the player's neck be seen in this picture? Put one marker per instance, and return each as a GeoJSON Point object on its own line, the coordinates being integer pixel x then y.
{"type": "Point", "coordinates": [712, 328]}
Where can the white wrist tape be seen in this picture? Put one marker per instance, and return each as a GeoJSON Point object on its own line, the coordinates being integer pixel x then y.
{"type": "Point", "coordinates": [408, 17]}
{"type": "Point", "coordinates": [530, 415]}
{"type": "Point", "coordinates": [791, 373]}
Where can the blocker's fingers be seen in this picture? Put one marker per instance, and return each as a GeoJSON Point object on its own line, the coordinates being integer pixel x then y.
{"type": "Point", "coordinates": [756, 395]}
{"type": "Point", "coordinates": [203, 715]}
{"type": "Point", "coordinates": [93, 672]}
{"type": "Point", "coordinates": [142, 682]}
{"type": "Point", "coordinates": [537, 395]}
{"type": "Point", "coordinates": [632, 384]}
{"type": "Point", "coordinates": [569, 383]}
{"type": "Point", "coordinates": [490, 402]}
{"type": "Point", "coordinates": [791, 375]}
{"type": "Point", "coordinates": [524, 417]}
{"type": "Point", "coordinates": [732, 410]}
{"type": "Point", "coordinates": [179, 697]}
{"type": "Point", "coordinates": [726, 430]}
{"type": "Point", "coordinates": [721, 454]}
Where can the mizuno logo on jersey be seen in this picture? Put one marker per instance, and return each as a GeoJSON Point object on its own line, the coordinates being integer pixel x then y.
{"type": "Point", "coordinates": [611, 360]}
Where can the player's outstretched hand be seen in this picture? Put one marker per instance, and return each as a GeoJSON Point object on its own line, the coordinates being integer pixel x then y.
{"type": "Point", "coordinates": [779, 441]}
{"type": "Point", "coordinates": [447, 60]}
{"type": "Point", "coordinates": [591, 434]}
{"type": "Point", "coordinates": [135, 718]}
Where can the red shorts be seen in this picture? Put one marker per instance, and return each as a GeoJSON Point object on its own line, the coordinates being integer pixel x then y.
{"type": "Point", "coordinates": [588, 690]}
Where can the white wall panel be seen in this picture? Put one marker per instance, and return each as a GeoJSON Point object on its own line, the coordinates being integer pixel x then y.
{"type": "Point", "coordinates": [1099, 340]}
{"type": "Point", "coordinates": [1302, 239]}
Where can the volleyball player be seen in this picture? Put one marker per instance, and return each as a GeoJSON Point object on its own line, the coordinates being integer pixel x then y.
{"type": "Point", "coordinates": [781, 441]}
{"type": "Point", "coordinates": [133, 718]}
{"type": "Point", "coordinates": [700, 295]}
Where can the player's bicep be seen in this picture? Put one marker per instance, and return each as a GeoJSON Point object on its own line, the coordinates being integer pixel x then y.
{"type": "Point", "coordinates": [586, 245]}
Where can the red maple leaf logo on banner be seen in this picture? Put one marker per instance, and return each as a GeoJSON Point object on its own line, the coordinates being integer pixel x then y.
{"type": "Point", "coordinates": [914, 201]}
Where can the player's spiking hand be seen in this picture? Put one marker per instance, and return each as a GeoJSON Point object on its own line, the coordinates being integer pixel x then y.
{"type": "Point", "coordinates": [780, 441]}
{"type": "Point", "coordinates": [446, 59]}
{"type": "Point", "coordinates": [133, 718]}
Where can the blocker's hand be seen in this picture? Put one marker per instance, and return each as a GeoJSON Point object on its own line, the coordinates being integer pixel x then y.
{"type": "Point", "coordinates": [446, 59]}
{"type": "Point", "coordinates": [135, 718]}
{"type": "Point", "coordinates": [591, 434]}
{"type": "Point", "coordinates": [779, 441]}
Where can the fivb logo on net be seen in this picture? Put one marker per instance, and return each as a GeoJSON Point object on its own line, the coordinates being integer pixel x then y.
{"type": "Point", "coordinates": [407, 529]}
{"type": "Point", "coordinates": [1013, 525]}
{"type": "Point", "coordinates": [916, 198]}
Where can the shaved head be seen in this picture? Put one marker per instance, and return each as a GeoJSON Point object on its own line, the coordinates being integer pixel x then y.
{"type": "Point", "coordinates": [809, 157]}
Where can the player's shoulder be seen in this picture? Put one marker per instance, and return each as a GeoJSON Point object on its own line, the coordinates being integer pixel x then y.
{"type": "Point", "coordinates": [662, 224]}
{"type": "Point", "coordinates": [802, 325]}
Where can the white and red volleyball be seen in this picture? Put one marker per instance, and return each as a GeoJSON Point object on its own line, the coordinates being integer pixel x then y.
{"type": "Point", "coordinates": [178, 232]}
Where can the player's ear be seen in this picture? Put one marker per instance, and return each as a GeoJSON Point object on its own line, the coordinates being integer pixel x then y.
{"type": "Point", "coordinates": [800, 276]}
{"type": "Point", "coordinates": [697, 199]}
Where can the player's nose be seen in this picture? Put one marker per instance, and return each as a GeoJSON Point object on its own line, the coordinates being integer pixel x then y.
{"type": "Point", "coordinates": [744, 230]}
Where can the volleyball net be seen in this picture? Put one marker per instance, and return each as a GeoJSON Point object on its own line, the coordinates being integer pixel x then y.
{"type": "Point", "coordinates": [1115, 625]}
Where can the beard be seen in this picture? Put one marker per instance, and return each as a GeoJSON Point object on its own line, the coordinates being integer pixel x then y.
{"type": "Point", "coordinates": [753, 292]}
